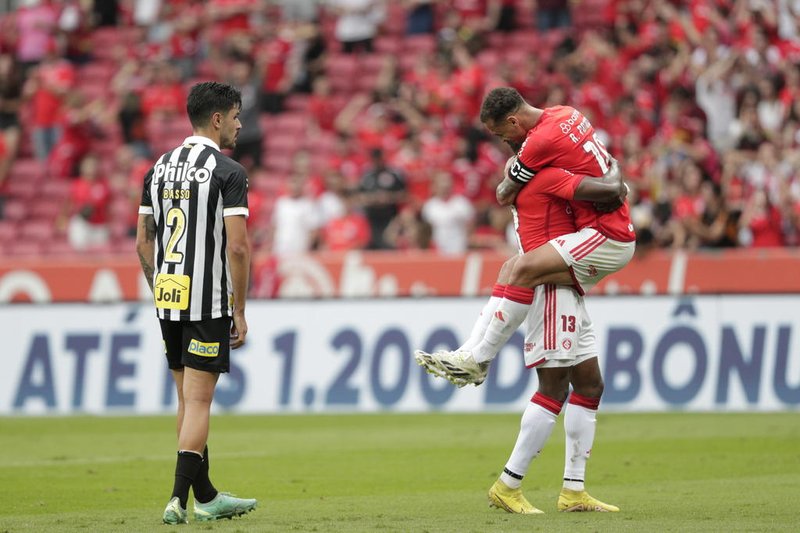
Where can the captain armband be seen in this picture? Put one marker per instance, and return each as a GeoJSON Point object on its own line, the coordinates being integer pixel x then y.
{"type": "Point", "coordinates": [519, 173]}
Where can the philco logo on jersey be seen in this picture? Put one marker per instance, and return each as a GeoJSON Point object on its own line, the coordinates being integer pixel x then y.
{"type": "Point", "coordinates": [171, 291]}
{"type": "Point", "coordinates": [204, 349]}
{"type": "Point", "coordinates": [181, 172]}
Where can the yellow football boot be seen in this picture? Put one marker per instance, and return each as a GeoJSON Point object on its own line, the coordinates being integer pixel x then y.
{"type": "Point", "coordinates": [510, 500]}
{"type": "Point", "coordinates": [570, 501]}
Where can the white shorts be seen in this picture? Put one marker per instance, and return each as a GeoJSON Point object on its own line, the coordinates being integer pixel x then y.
{"type": "Point", "coordinates": [591, 256]}
{"type": "Point", "coordinates": [559, 331]}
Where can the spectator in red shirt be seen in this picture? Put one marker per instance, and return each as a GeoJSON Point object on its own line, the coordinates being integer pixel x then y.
{"type": "Point", "coordinates": [45, 90]}
{"type": "Point", "coordinates": [87, 207]}
{"type": "Point", "coordinates": [761, 224]}
{"type": "Point", "coordinates": [350, 231]}
{"type": "Point", "coordinates": [164, 97]}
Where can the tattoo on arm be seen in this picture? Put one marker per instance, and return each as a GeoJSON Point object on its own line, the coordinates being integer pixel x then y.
{"type": "Point", "coordinates": [148, 270]}
{"type": "Point", "coordinates": [150, 227]}
{"type": "Point", "coordinates": [507, 192]}
{"type": "Point", "coordinates": [147, 262]}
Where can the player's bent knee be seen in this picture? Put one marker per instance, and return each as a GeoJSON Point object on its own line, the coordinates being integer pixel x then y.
{"type": "Point", "coordinates": [591, 389]}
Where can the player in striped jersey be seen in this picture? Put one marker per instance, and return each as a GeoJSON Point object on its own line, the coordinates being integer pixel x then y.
{"type": "Point", "coordinates": [192, 243]}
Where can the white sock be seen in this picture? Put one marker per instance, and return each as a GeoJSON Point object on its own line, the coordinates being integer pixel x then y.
{"type": "Point", "coordinates": [536, 426]}
{"type": "Point", "coordinates": [580, 421]}
{"type": "Point", "coordinates": [485, 317]}
{"type": "Point", "coordinates": [505, 321]}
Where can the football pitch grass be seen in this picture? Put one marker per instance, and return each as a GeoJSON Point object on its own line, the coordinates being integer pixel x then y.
{"type": "Point", "coordinates": [405, 473]}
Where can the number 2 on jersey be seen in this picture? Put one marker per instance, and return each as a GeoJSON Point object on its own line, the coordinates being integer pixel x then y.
{"type": "Point", "coordinates": [596, 147]}
{"type": "Point", "coordinates": [177, 219]}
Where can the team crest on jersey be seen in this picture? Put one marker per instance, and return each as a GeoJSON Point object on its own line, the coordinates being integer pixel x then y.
{"type": "Point", "coordinates": [171, 291]}
{"type": "Point", "coordinates": [529, 347]}
{"type": "Point", "coordinates": [592, 271]}
{"type": "Point", "coordinates": [566, 344]}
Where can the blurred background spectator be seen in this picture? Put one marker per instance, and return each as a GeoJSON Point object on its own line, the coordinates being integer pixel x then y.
{"type": "Point", "coordinates": [700, 101]}
{"type": "Point", "coordinates": [450, 216]}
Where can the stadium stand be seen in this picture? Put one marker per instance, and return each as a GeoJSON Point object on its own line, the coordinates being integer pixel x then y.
{"type": "Point", "coordinates": [699, 100]}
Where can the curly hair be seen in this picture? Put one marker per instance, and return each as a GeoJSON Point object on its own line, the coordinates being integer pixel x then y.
{"type": "Point", "coordinates": [500, 103]}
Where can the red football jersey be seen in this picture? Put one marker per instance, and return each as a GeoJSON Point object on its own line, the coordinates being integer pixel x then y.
{"type": "Point", "coordinates": [541, 212]}
{"type": "Point", "coordinates": [565, 139]}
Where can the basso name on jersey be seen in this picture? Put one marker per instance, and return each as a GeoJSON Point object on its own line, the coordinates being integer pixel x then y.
{"type": "Point", "coordinates": [168, 172]}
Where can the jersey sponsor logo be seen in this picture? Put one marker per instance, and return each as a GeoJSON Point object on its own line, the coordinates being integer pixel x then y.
{"type": "Point", "coordinates": [203, 349]}
{"type": "Point", "coordinates": [171, 291]}
{"type": "Point", "coordinates": [566, 344]}
{"type": "Point", "coordinates": [179, 172]}
{"type": "Point", "coordinates": [499, 316]}
{"type": "Point", "coordinates": [561, 242]}
{"type": "Point", "coordinates": [529, 347]}
{"type": "Point", "coordinates": [566, 126]}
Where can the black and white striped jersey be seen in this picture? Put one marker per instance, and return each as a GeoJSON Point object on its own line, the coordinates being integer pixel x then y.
{"type": "Point", "coordinates": [189, 191]}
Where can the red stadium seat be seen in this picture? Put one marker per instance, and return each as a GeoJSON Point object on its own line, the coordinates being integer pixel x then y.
{"type": "Point", "coordinates": [387, 44]}
{"type": "Point", "coordinates": [58, 247]}
{"type": "Point", "coordinates": [24, 248]}
{"type": "Point", "coordinates": [29, 169]}
{"type": "Point", "coordinates": [22, 188]}
{"type": "Point", "coordinates": [47, 208]}
{"type": "Point", "coordinates": [296, 103]}
{"type": "Point", "coordinates": [37, 230]}
{"type": "Point", "coordinates": [8, 231]}
{"type": "Point", "coordinates": [341, 64]}
{"type": "Point", "coordinates": [420, 44]}
{"type": "Point", "coordinates": [15, 210]}
{"type": "Point", "coordinates": [55, 188]}
{"type": "Point", "coordinates": [529, 40]}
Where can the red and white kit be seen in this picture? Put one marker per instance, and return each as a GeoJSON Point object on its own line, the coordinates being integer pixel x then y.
{"type": "Point", "coordinates": [603, 242]}
{"type": "Point", "coordinates": [559, 331]}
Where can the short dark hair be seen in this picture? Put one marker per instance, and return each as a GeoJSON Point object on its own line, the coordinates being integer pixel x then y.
{"type": "Point", "coordinates": [500, 103]}
{"type": "Point", "coordinates": [209, 97]}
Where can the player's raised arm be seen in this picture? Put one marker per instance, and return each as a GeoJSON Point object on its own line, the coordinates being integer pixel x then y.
{"type": "Point", "coordinates": [608, 192]}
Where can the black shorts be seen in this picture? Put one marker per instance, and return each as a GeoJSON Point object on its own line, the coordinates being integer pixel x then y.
{"type": "Point", "coordinates": [202, 345]}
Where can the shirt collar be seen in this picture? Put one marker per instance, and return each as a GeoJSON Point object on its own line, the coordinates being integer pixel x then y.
{"type": "Point", "coordinates": [199, 139]}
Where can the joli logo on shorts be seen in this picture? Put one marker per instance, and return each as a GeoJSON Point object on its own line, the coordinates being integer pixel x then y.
{"type": "Point", "coordinates": [204, 349]}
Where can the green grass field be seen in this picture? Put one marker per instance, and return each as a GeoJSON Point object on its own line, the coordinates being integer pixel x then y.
{"type": "Point", "coordinates": [404, 473]}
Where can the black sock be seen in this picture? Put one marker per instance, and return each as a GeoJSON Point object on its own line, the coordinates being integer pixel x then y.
{"type": "Point", "coordinates": [202, 487]}
{"type": "Point", "coordinates": [186, 469]}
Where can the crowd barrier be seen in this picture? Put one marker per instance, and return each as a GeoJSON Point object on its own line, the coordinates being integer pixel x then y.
{"type": "Point", "coordinates": [658, 353]}
{"type": "Point", "coordinates": [392, 274]}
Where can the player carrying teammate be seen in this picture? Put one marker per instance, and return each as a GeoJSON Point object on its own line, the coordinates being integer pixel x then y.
{"type": "Point", "coordinates": [192, 243]}
{"type": "Point", "coordinates": [560, 344]}
{"type": "Point", "coordinates": [603, 243]}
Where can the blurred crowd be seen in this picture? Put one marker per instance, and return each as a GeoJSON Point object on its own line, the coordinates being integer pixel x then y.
{"type": "Point", "coordinates": [360, 126]}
